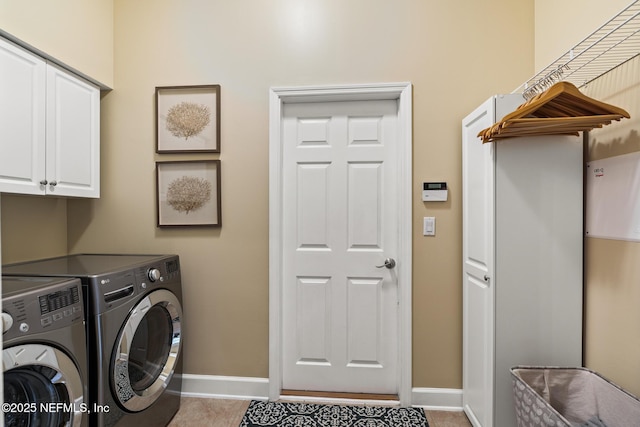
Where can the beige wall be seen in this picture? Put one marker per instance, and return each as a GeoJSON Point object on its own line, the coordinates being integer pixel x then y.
{"type": "Point", "coordinates": [612, 321]}
{"type": "Point", "coordinates": [613, 267]}
{"type": "Point", "coordinates": [33, 227]}
{"type": "Point", "coordinates": [446, 49]}
{"type": "Point", "coordinates": [443, 48]}
{"type": "Point", "coordinates": [77, 32]}
{"type": "Point", "coordinates": [560, 25]}
{"type": "Point", "coordinates": [247, 47]}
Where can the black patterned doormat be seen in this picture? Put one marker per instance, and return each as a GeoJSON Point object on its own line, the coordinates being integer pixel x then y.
{"type": "Point", "coordinates": [296, 414]}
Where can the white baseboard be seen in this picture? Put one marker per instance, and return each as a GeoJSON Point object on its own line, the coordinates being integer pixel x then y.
{"type": "Point", "coordinates": [437, 399]}
{"type": "Point", "coordinates": [221, 387]}
{"type": "Point", "coordinates": [247, 388]}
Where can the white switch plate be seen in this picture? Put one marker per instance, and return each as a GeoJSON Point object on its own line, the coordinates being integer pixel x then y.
{"type": "Point", "coordinates": [429, 226]}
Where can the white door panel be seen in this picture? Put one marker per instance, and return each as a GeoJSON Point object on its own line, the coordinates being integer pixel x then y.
{"type": "Point", "coordinates": [313, 319]}
{"type": "Point", "coordinates": [22, 120]}
{"type": "Point", "coordinates": [478, 248]}
{"type": "Point", "coordinates": [340, 314]}
{"type": "Point", "coordinates": [73, 126]}
{"type": "Point", "coordinates": [364, 206]}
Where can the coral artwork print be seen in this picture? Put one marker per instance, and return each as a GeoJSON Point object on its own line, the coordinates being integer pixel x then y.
{"type": "Point", "coordinates": [188, 193]}
{"type": "Point", "coordinates": [187, 119]}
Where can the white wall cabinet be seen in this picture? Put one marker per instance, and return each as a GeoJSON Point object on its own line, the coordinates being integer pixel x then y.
{"type": "Point", "coordinates": [49, 128]}
{"type": "Point", "coordinates": [522, 259]}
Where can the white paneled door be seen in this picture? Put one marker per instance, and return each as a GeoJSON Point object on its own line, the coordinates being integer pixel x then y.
{"type": "Point", "coordinates": [478, 258]}
{"type": "Point", "coordinates": [340, 225]}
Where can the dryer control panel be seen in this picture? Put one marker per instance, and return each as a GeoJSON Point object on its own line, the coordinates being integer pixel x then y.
{"type": "Point", "coordinates": [35, 305]}
{"type": "Point", "coordinates": [114, 289]}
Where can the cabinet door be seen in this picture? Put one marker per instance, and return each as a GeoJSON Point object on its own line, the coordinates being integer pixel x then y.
{"type": "Point", "coordinates": [478, 257]}
{"type": "Point", "coordinates": [73, 135]}
{"type": "Point", "coordinates": [22, 120]}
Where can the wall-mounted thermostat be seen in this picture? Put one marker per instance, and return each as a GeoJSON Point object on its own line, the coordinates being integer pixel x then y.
{"type": "Point", "coordinates": [434, 192]}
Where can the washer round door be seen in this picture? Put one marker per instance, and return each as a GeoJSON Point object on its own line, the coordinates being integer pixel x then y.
{"type": "Point", "coordinates": [42, 387]}
{"type": "Point", "coordinates": [147, 350]}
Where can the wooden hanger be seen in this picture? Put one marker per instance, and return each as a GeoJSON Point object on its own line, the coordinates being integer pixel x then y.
{"type": "Point", "coordinates": [560, 110]}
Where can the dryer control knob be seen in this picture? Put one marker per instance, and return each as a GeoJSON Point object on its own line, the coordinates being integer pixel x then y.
{"type": "Point", "coordinates": [153, 274]}
{"type": "Point", "coordinates": [7, 322]}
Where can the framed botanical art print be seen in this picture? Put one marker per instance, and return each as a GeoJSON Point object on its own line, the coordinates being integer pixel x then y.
{"type": "Point", "coordinates": [188, 193]}
{"type": "Point", "coordinates": [188, 119]}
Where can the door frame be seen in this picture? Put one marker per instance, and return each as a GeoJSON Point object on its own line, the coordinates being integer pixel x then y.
{"type": "Point", "coordinates": [278, 96]}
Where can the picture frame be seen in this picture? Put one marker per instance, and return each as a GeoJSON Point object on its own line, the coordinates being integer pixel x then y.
{"type": "Point", "coordinates": [188, 193]}
{"type": "Point", "coordinates": [188, 119]}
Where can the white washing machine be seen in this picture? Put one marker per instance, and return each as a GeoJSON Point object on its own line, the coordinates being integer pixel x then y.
{"type": "Point", "coordinates": [134, 329]}
{"type": "Point", "coordinates": [44, 352]}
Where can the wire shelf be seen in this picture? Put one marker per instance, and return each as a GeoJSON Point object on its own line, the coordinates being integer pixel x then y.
{"type": "Point", "coordinates": [611, 45]}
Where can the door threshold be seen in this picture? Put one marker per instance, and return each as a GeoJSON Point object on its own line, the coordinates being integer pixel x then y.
{"type": "Point", "coordinates": [340, 397]}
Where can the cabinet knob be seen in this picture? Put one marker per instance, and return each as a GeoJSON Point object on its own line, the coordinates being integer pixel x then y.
{"type": "Point", "coordinates": [53, 183]}
{"type": "Point", "coordinates": [43, 182]}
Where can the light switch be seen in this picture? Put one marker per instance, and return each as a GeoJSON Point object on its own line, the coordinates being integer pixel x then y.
{"type": "Point", "coordinates": [429, 226]}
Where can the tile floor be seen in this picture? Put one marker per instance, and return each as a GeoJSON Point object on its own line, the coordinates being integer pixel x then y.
{"type": "Point", "coordinates": [203, 412]}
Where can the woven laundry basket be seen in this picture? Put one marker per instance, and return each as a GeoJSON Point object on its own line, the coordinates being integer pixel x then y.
{"type": "Point", "coordinates": [570, 397]}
